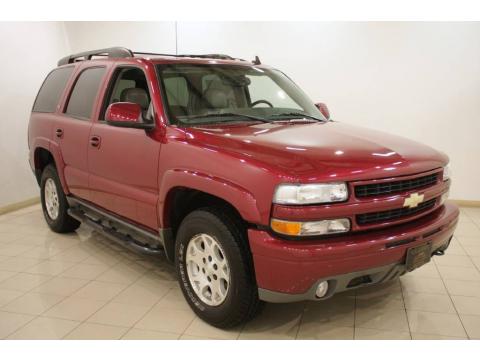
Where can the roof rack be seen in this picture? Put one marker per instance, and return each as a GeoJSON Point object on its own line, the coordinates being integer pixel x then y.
{"type": "Point", "coordinates": [202, 56]}
{"type": "Point", "coordinates": [113, 52]}
{"type": "Point", "coordinates": [121, 52]}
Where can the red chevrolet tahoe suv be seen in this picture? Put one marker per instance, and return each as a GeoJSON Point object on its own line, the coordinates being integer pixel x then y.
{"type": "Point", "coordinates": [228, 169]}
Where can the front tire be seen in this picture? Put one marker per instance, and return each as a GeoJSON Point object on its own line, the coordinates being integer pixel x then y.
{"type": "Point", "coordinates": [215, 269]}
{"type": "Point", "coordinates": [54, 202]}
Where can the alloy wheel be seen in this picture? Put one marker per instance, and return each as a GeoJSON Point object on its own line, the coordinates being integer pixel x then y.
{"type": "Point", "coordinates": [208, 269]}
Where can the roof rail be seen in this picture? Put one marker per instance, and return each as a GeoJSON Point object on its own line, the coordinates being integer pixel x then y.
{"type": "Point", "coordinates": [203, 56]}
{"type": "Point", "coordinates": [113, 52]}
{"type": "Point", "coordinates": [121, 52]}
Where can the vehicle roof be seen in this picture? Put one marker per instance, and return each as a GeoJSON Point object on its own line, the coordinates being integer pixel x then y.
{"type": "Point", "coordinates": [119, 53]}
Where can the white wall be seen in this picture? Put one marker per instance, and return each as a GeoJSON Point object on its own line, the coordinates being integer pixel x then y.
{"type": "Point", "coordinates": [145, 36]}
{"type": "Point", "coordinates": [420, 80]}
{"type": "Point", "coordinates": [29, 52]}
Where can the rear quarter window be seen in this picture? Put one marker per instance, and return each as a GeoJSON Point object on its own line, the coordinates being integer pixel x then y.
{"type": "Point", "coordinates": [51, 90]}
{"type": "Point", "coordinates": [84, 93]}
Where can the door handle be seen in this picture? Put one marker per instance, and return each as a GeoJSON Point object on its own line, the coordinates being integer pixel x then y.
{"type": "Point", "coordinates": [95, 141]}
{"type": "Point", "coordinates": [59, 133]}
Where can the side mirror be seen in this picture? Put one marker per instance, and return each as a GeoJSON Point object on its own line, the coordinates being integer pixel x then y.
{"type": "Point", "coordinates": [323, 109]}
{"type": "Point", "coordinates": [126, 114]}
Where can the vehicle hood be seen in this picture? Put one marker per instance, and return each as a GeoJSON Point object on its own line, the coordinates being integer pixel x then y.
{"type": "Point", "coordinates": [321, 151]}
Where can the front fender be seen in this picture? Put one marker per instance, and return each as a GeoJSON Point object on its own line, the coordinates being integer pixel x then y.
{"type": "Point", "coordinates": [241, 199]}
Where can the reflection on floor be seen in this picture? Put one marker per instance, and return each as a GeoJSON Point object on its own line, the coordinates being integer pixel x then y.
{"type": "Point", "coordinates": [81, 286]}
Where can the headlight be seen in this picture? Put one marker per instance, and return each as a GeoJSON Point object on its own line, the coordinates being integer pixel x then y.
{"type": "Point", "coordinates": [310, 228]}
{"type": "Point", "coordinates": [294, 194]}
{"type": "Point", "coordinates": [446, 173]}
{"type": "Point", "coordinates": [444, 198]}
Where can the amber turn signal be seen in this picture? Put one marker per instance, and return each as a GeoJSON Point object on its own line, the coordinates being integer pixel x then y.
{"type": "Point", "coordinates": [310, 228]}
{"type": "Point", "coordinates": [286, 227]}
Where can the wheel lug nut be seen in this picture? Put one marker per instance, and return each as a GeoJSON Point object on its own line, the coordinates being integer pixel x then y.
{"type": "Point", "coordinates": [214, 277]}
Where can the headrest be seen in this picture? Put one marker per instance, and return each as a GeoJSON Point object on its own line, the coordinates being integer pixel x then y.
{"type": "Point", "coordinates": [135, 95]}
{"type": "Point", "coordinates": [217, 99]}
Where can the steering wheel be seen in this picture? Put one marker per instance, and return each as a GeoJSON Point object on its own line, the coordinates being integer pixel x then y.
{"type": "Point", "coordinates": [255, 103]}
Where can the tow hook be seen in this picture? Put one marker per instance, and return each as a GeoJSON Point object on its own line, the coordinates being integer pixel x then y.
{"type": "Point", "coordinates": [439, 252]}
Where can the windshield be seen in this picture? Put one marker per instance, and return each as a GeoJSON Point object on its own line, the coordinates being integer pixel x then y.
{"type": "Point", "coordinates": [201, 94]}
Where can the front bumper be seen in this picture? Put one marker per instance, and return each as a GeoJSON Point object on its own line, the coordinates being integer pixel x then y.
{"type": "Point", "coordinates": [290, 270]}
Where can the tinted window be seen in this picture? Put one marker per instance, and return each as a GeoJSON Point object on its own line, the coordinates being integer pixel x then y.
{"type": "Point", "coordinates": [129, 85]}
{"type": "Point", "coordinates": [51, 90]}
{"type": "Point", "coordinates": [177, 91]}
{"type": "Point", "coordinates": [198, 93]}
{"type": "Point", "coordinates": [84, 93]}
{"type": "Point", "coordinates": [126, 79]}
{"type": "Point", "coordinates": [121, 85]}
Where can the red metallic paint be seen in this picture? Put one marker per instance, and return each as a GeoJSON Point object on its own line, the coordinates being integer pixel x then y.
{"type": "Point", "coordinates": [123, 112]}
{"type": "Point", "coordinates": [294, 266]}
{"type": "Point", "coordinates": [324, 110]}
{"type": "Point", "coordinates": [134, 173]}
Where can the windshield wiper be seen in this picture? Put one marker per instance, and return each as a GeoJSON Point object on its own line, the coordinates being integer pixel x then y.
{"type": "Point", "coordinates": [227, 114]}
{"type": "Point", "coordinates": [305, 116]}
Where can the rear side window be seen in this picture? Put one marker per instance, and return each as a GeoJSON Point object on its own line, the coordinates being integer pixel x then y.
{"type": "Point", "coordinates": [51, 90]}
{"type": "Point", "coordinates": [84, 93]}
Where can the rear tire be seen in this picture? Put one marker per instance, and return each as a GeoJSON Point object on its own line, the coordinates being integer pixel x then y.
{"type": "Point", "coordinates": [54, 202]}
{"type": "Point", "coordinates": [211, 249]}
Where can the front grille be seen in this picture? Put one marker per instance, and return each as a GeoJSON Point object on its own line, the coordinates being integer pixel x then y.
{"type": "Point", "coordinates": [394, 214]}
{"type": "Point", "coordinates": [395, 186]}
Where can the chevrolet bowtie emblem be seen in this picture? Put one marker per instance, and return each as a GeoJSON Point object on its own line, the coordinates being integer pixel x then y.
{"type": "Point", "coordinates": [413, 200]}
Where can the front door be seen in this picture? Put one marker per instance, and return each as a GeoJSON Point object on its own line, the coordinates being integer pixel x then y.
{"type": "Point", "coordinates": [123, 162]}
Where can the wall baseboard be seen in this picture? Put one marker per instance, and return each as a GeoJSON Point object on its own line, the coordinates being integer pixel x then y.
{"type": "Point", "coordinates": [19, 205]}
{"type": "Point", "coordinates": [467, 203]}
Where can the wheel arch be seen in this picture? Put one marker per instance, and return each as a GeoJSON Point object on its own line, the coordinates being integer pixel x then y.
{"type": "Point", "coordinates": [183, 191]}
{"type": "Point", "coordinates": [44, 155]}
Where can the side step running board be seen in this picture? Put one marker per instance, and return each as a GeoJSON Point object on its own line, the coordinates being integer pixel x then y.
{"type": "Point", "coordinates": [123, 240]}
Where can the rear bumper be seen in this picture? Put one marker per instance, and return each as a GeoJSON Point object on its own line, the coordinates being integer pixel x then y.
{"type": "Point", "coordinates": [290, 270]}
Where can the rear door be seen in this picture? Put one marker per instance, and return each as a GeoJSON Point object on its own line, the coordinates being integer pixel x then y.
{"type": "Point", "coordinates": [123, 162]}
{"type": "Point", "coordinates": [71, 129]}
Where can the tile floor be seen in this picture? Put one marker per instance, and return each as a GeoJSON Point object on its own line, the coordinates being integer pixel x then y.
{"type": "Point", "coordinates": [81, 286]}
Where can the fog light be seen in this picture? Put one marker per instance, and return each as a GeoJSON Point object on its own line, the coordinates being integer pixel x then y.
{"type": "Point", "coordinates": [322, 289]}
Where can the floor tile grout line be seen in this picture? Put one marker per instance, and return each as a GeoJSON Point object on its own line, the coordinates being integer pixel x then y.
{"type": "Point", "coordinates": [355, 315]}
{"type": "Point", "coordinates": [472, 220]}
{"type": "Point", "coordinates": [241, 331]}
{"type": "Point", "coordinates": [111, 301]}
{"type": "Point", "coordinates": [467, 254]}
{"type": "Point", "coordinates": [100, 308]}
{"type": "Point", "coordinates": [128, 259]}
{"type": "Point", "coordinates": [63, 299]}
{"type": "Point", "coordinates": [94, 323]}
{"type": "Point", "coordinates": [453, 303]}
{"type": "Point", "coordinates": [405, 308]}
{"type": "Point", "coordinates": [38, 315]}
{"type": "Point", "coordinates": [300, 321]}
{"type": "Point", "coordinates": [189, 324]}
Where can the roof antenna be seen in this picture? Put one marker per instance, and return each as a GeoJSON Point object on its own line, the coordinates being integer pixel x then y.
{"type": "Point", "coordinates": [256, 61]}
